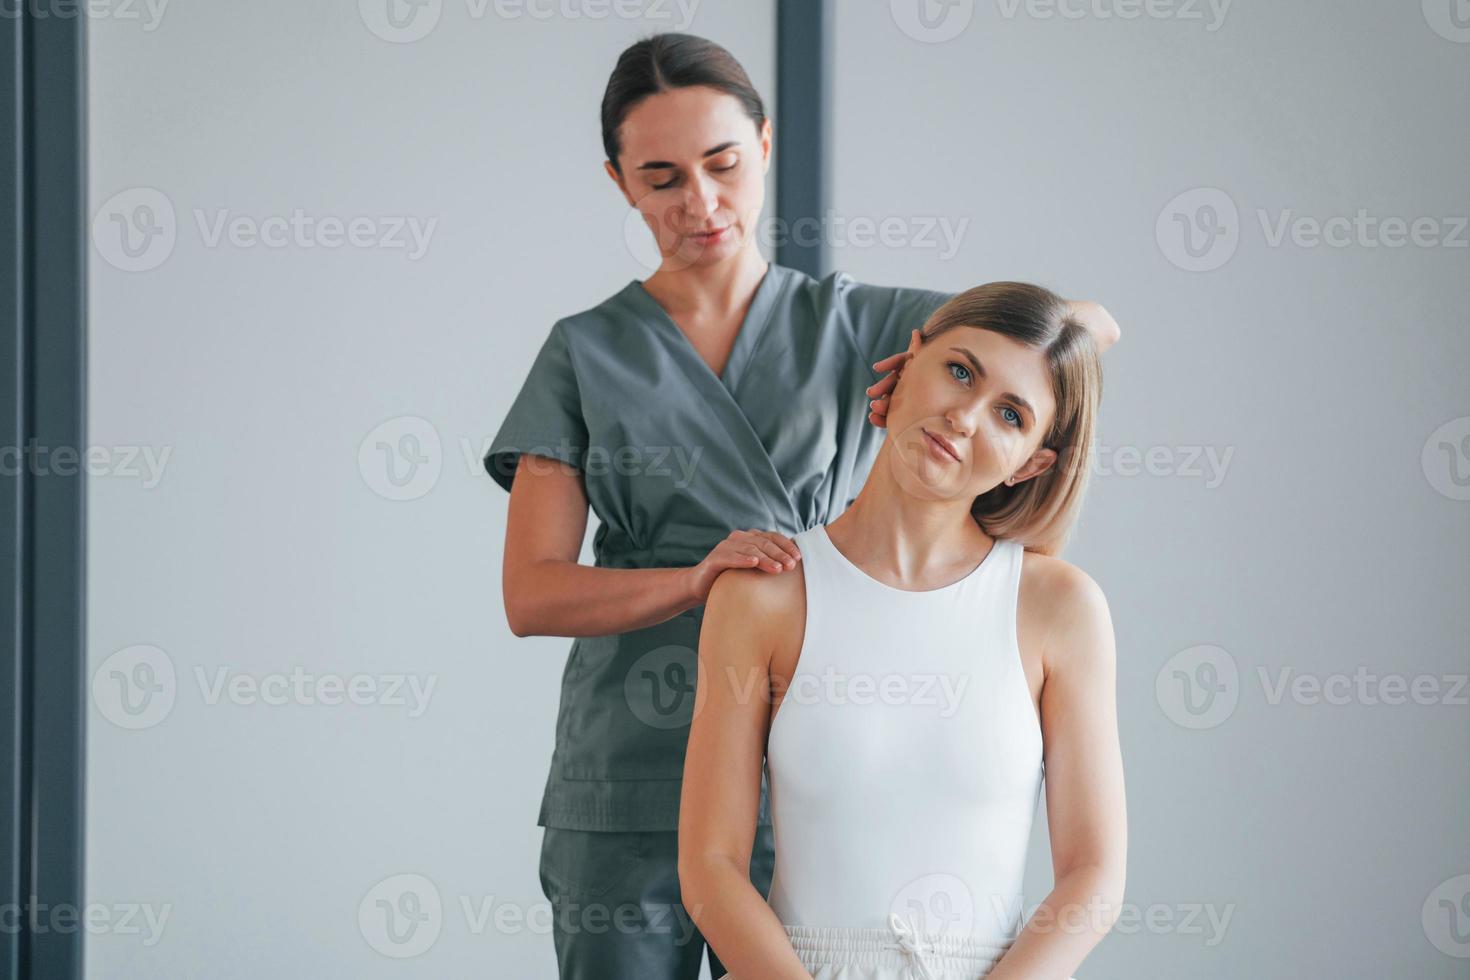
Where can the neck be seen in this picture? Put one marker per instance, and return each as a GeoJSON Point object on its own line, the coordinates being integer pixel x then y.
{"type": "Point", "coordinates": [889, 528]}
{"type": "Point", "coordinates": [724, 285]}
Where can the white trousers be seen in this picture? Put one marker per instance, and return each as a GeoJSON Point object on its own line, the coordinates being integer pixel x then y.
{"type": "Point", "coordinates": [894, 953]}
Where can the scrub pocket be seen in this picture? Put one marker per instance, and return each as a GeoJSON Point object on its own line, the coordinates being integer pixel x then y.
{"type": "Point", "coordinates": [583, 864]}
{"type": "Point", "coordinates": [627, 701]}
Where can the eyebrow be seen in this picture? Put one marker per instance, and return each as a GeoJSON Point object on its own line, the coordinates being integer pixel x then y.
{"type": "Point", "coordinates": [666, 165]}
{"type": "Point", "coordinates": [980, 370]}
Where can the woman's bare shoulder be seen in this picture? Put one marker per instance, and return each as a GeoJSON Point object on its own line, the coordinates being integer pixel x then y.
{"type": "Point", "coordinates": [1062, 603]}
{"type": "Point", "coordinates": [766, 605]}
{"type": "Point", "coordinates": [1057, 578]}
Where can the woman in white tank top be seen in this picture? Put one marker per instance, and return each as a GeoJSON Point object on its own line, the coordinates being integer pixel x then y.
{"type": "Point", "coordinates": [903, 688]}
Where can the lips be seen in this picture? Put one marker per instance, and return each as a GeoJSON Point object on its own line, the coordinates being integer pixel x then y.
{"type": "Point", "coordinates": [942, 443]}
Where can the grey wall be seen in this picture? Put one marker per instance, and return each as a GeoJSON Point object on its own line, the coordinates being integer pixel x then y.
{"type": "Point", "coordinates": [1330, 534]}
{"type": "Point", "coordinates": [314, 413]}
{"type": "Point", "coordinates": [1296, 501]}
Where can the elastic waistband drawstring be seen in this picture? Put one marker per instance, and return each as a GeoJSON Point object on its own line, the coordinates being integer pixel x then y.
{"type": "Point", "coordinates": [910, 943]}
{"type": "Point", "coordinates": [928, 955]}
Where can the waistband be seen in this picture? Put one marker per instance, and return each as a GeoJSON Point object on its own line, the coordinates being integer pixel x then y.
{"type": "Point", "coordinates": [931, 954]}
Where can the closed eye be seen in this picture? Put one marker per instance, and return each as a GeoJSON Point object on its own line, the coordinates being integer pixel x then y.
{"type": "Point", "coordinates": [721, 170]}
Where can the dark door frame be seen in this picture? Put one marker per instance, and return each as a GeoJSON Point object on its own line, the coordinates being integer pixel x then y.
{"type": "Point", "coordinates": [43, 697]}
{"type": "Point", "coordinates": [803, 93]}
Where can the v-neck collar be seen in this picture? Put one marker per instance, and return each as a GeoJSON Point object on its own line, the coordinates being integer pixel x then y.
{"type": "Point", "coordinates": [718, 403]}
{"type": "Point", "coordinates": [757, 315]}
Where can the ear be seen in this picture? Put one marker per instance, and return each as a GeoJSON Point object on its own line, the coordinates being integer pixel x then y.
{"type": "Point", "coordinates": [908, 354]}
{"type": "Point", "coordinates": [914, 345]}
{"type": "Point", "coordinates": [617, 178]}
{"type": "Point", "coordinates": [915, 342]}
{"type": "Point", "coordinates": [765, 141]}
{"type": "Point", "coordinates": [1040, 461]}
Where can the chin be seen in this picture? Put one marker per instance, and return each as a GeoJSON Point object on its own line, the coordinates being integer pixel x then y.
{"type": "Point", "coordinates": [922, 477]}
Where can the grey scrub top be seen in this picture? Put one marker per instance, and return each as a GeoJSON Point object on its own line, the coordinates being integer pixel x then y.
{"type": "Point", "coordinates": [674, 459]}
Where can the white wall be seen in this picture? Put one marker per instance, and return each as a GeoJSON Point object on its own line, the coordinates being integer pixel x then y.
{"type": "Point", "coordinates": [259, 377]}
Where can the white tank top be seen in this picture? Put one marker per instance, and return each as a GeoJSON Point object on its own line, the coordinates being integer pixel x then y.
{"type": "Point", "coordinates": [905, 760]}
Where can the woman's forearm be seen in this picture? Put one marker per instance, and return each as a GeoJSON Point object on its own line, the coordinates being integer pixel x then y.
{"type": "Point", "coordinates": [736, 921]}
{"type": "Point", "coordinates": [1098, 321]}
{"type": "Point", "coordinates": [1082, 907]}
{"type": "Point", "coordinates": [565, 598]}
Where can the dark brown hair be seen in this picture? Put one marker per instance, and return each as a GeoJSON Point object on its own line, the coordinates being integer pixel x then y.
{"type": "Point", "coordinates": [669, 61]}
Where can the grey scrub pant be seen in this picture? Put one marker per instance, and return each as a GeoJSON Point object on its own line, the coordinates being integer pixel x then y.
{"type": "Point", "coordinates": [616, 912]}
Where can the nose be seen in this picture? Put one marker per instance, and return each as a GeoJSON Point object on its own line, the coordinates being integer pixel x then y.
{"type": "Point", "coordinates": [961, 420]}
{"type": "Point", "coordinates": [701, 199]}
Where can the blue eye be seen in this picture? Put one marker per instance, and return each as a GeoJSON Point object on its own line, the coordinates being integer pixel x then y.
{"type": "Point", "coordinates": [1015, 416]}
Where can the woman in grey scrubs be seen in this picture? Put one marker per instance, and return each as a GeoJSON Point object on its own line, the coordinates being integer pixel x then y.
{"type": "Point", "coordinates": [705, 414]}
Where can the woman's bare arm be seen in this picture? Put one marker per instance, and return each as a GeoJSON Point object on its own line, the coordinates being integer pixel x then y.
{"type": "Point", "coordinates": [1085, 805]}
{"type": "Point", "coordinates": [722, 776]}
{"type": "Point", "coordinates": [548, 593]}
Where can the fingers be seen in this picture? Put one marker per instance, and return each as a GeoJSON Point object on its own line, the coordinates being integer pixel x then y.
{"type": "Point", "coordinates": [770, 551]}
{"type": "Point", "coordinates": [891, 362]}
{"type": "Point", "coordinates": [765, 560]}
{"type": "Point", "coordinates": [786, 546]}
{"type": "Point", "coordinates": [878, 406]}
{"type": "Point", "coordinates": [883, 385]}
{"type": "Point", "coordinates": [879, 391]}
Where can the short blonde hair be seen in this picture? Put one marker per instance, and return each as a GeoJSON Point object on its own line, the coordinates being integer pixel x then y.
{"type": "Point", "coordinates": [1040, 512]}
